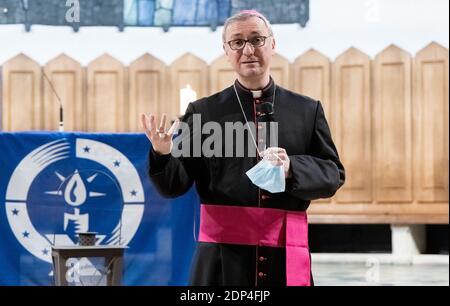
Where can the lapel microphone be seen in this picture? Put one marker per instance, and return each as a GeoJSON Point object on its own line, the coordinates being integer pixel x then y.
{"type": "Point", "coordinates": [267, 112]}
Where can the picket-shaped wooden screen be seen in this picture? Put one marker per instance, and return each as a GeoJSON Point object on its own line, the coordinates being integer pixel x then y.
{"type": "Point", "coordinates": [148, 88]}
{"type": "Point", "coordinates": [106, 106]}
{"type": "Point", "coordinates": [65, 75]}
{"type": "Point", "coordinates": [22, 105]}
{"type": "Point", "coordinates": [388, 115]}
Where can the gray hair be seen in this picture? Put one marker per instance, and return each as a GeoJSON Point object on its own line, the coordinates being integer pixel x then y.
{"type": "Point", "coordinates": [244, 15]}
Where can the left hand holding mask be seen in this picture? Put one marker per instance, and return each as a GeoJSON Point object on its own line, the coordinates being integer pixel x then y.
{"type": "Point", "coordinates": [271, 172]}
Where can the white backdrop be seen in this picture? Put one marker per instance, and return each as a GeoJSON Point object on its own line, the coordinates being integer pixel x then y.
{"type": "Point", "coordinates": [334, 26]}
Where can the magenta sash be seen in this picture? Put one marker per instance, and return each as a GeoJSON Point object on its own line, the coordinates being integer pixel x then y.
{"type": "Point", "coordinates": [263, 227]}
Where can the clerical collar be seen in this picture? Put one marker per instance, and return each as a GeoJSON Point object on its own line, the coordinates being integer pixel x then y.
{"type": "Point", "coordinates": [264, 94]}
{"type": "Point", "coordinates": [256, 94]}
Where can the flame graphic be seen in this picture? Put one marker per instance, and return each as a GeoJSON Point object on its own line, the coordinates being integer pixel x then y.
{"type": "Point", "coordinates": [75, 193]}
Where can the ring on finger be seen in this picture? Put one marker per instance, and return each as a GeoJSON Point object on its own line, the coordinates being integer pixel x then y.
{"type": "Point", "coordinates": [161, 133]}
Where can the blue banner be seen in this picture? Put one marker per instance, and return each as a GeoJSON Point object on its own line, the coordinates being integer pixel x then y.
{"type": "Point", "coordinates": [56, 185]}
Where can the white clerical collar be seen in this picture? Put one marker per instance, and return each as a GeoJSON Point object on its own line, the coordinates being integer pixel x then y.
{"type": "Point", "coordinates": [256, 94]}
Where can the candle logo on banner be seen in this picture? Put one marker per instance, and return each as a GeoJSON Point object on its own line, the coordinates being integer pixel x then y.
{"type": "Point", "coordinates": [68, 188]}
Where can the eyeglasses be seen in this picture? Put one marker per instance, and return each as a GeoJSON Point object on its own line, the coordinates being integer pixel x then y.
{"type": "Point", "coordinates": [238, 44]}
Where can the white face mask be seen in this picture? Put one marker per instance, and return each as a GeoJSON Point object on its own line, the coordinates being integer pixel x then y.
{"type": "Point", "coordinates": [267, 176]}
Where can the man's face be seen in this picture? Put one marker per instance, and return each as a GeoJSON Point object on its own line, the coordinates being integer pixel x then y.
{"type": "Point", "coordinates": [250, 61]}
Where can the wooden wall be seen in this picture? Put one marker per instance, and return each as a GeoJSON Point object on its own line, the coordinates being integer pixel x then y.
{"type": "Point", "coordinates": [388, 116]}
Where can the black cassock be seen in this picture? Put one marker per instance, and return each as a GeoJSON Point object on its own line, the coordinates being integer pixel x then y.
{"type": "Point", "coordinates": [316, 173]}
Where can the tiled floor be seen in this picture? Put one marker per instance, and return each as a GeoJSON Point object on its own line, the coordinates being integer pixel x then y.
{"type": "Point", "coordinates": [326, 274]}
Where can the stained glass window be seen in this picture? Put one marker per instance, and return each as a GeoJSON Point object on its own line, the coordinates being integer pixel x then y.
{"type": "Point", "coordinates": [144, 13]}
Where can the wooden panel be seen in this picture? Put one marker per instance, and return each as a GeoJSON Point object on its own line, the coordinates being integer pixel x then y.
{"type": "Point", "coordinates": [22, 109]}
{"type": "Point", "coordinates": [106, 107]}
{"type": "Point", "coordinates": [221, 74]}
{"type": "Point", "coordinates": [66, 76]}
{"type": "Point", "coordinates": [352, 124]}
{"type": "Point", "coordinates": [191, 71]}
{"type": "Point", "coordinates": [387, 209]}
{"type": "Point", "coordinates": [379, 219]}
{"type": "Point", "coordinates": [392, 126]}
{"type": "Point", "coordinates": [148, 88]}
{"type": "Point", "coordinates": [431, 124]}
{"type": "Point", "coordinates": [280, 71]}
{"type": "Point", "coordinates": [311, 77]}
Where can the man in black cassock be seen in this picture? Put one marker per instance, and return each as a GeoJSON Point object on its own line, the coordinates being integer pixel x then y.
{"type": "Point", "coordinates": [239, 220]}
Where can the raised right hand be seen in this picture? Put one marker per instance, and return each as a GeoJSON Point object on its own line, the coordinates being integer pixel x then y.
{"type": "Point", "coordinates": [160, 139]}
